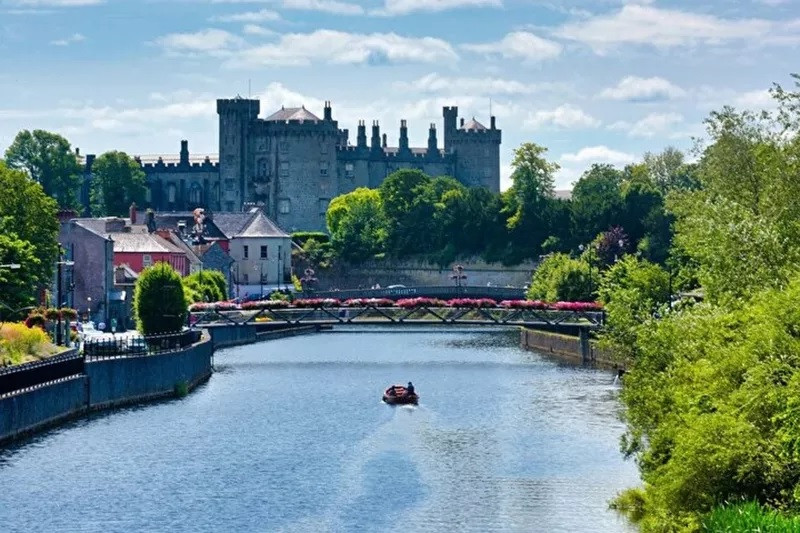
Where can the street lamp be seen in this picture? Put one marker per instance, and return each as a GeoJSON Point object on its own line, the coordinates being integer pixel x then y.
{"type": "Point", "coordinates": [308, 279]}
{"type": "Point", "coordinates": [458, 275]}
{"type": "Point", "coordinates": [59, 304]}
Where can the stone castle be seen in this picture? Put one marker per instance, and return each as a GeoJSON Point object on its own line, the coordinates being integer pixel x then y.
{"type": "Point", "coordinates": [292, 163]}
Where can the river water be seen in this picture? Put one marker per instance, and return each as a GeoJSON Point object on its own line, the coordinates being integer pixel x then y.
{"type": "Point", "coordinates": [290, 435]}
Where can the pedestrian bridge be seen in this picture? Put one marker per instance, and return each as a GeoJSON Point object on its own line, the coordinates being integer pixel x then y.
{"type": "Point", "coordinates": [565, 319]}
{"type": "Point", "coordinates": [444, 293]}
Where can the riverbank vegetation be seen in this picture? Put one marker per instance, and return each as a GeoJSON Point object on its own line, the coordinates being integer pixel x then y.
{"type": "Point", "coordinates": [21, 344]}
{"type": "Point", "coordinates": [712, 392]}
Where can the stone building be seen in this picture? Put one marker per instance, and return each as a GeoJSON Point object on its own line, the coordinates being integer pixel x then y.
{"type": "Point", "coordinates": [292, 163]}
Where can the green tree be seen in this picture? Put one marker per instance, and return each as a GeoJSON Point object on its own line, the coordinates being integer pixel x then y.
{"type": "Point", "coordinates": [49, 161]}
{"type": "Point", "coordinates": [205, 286]}
{"type": "Point", "coordinates": [561, 278]}
{"type": "Point", "coordinates": [597, 201]}
{"type": "Point", "coordinates": [16, 290]}
{"type": "Point", "coordinates": [158, 300]}
{"type": "Point", "coordinates": [357, 224]}
{"type": "Point", "coordinates": [118, 181]}
{"type": "Point", "coordinates": [29, 215]}
{"type": "Point", "coordinates": [408, 205]}
{"type": "Point", "coordinates": [669, 171]}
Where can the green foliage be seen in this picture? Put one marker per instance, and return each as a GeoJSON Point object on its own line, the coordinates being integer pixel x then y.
{"type": "Point", "coordinates": [749, 516]}
{"type": "Point", "coordinates": [29, 224]}
{"type": "Point", "coordinates": [181, 389]}
{"type": "Point", "coordinates": [205, 286]}
{"type": "Point", "coordinates": [597, 202]}
{"type": "Point", "coordinates": [298, 286]}
{"type": "Point", "coordinates": [319, 254]}
{"type": "Point", "coordinates": [49, 161]}
{"type": "Point", "coordinates": [561, 278]}
{"type": "Point", "coordinates": [300, 237]}
{"type": "Point", "coordinates": [118, 181]}
{"type": "Point", "coordinates": [18, 343]}
{"type": "Point", "coordinates": [357, 224]}
{"type": "Point", "coordinates": [158, 300]}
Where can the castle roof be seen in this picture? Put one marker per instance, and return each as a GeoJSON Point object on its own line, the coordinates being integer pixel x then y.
{"type": "Point", "coordinates": [473, 125]}
{"type": "Point", "coordinates": [292, 113]}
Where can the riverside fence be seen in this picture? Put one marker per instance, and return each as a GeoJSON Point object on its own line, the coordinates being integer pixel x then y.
{"type": "Point", "coordinates": [29, 375]}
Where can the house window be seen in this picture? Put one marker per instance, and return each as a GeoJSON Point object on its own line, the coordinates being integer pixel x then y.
{"type": "Point", "coordinates": [246, 252]}
{"type": "Point", "coordinates": [147, 260]}
{"type": "Point", "coordinates": [195, 194]}
{"type": "Point", "coordinates": [323, 168]}
{"type": "Point", "coordinates": [245, 278]}
{"type": "Point", "coordinates": [284, 168]}
{"type": "Point", "coordinates": [263, 252]}
{"type": "Point", "coordinates": [284, 206]}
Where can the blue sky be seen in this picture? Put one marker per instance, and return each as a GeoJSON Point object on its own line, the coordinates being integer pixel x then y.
{"type": "Point", "coordinates": [594, 81]}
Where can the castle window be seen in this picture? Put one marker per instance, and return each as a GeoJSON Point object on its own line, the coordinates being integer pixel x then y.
{"type": "Point", "coordinates": [284, 206]}
{"type": "Point", "coordinates": [262, 167]}
{"type": "Point", "coordinates": [171, 193]}
{"type": "Point", "coordinates": [148, 195]}
{"type": "Point", "coordinates": [349, 170]}
{"type": "Point", "coordinates": [195, 194]}
{"type": "Point", "coordinates": [486, 151]}
{"type": "Point", "coordinates": [284, 168]}
{"type": "Point", "coordinates": [245, 278]}
{"type": "Point", "coordinates": [229, 206]}
{"type": "Point", "coordinates": [283, 146]}
{"type": "Point", "coordinates": [323, 168]}
{"type": "Point", "coordinates": [323, 205]}
{"type": "Point", "coordinates": [323, 148]}
{"type": "Point", "coordinates": [229, 185]}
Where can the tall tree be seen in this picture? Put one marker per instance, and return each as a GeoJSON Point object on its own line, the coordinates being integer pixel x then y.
{"type": "Point", "coordinates": [597, 201]}
{"type": "Point", "coordinates": [357, 224]}
{"type": "Point", "coordinates": [49, 160]}
{"type": "Point", "coordinates": [29, 215]}
{"type": "Point", "coordinates": [669, 171]}
{"type": "Point", "coordinates": [409, 204]}
{"type": "Point", "coordinates": [118, 181]}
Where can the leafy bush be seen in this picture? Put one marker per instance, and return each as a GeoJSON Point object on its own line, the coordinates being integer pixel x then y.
{"type": "Point", "coordinates": [206, 286]}
{"type": "Point", "coordinates": [749, 517]}
{"type": "Point", "coordinates": [158, 300]}
{"type": "Point", "coordinates": [561, 278]}
{"type": "Point", "coordinates": [300, 237]}
{"type": "Point", "coordinates": [18, 342]}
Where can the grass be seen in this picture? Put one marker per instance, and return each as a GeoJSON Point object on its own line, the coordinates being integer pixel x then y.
{"type": "Point", "coordinates": [20, 344]}
{"type": "Point", "coordinates": [749, 517]}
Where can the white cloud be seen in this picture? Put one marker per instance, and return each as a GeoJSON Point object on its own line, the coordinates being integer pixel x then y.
{"type": "Point", "coordinates": [404, 7]}
{"type": "Point", "coordinates": [636, 89]}
{"type": "Point", "coordinates": [436, 83]}
{"type": "Point", "coordinates": [210, 41]}
{"type": "Point", "coordinates": [649, 126]}
{"type": "Point", "coordinates": [564, 116]}
{"type": "Point", "coordinates": [598, 154]}
{"type": "Point", "coordinates": [758, 99]}
{"type": "Point", "coordinates": [331, 46]}
{"type": "Point", "coordinates": [255, 29]}
{"type": "Point", "coordinates": [74, 38]}
{"type": "Point", "coordinates": [263, 15]}
{"type": "Point", "coordinates": [325, 6]}
{"type": "Point", "coordinates": [54, 3]}
{"type": "Point", "coordinates": [519, 45]}
{"type": "Point", "coordinates": [642, 24]}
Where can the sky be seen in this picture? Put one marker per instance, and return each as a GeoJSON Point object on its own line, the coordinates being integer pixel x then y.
{"type": "Point", "coordinates": [594, 81]}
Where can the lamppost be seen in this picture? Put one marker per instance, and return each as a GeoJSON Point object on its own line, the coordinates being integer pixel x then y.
{"type": "Point", "coordinates": [88, 308]}
{"type": "Point", "coordinates": [235, 266]}
{"type": "Point", "coordinates": [458, 275]}
{"type": "Point", "coordinates": [59, 265]}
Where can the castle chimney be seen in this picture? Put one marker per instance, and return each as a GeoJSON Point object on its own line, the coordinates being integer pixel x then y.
{"type": "Point", "coordinates": [432, 148]}
{"type": "Point", "coordinates": [77, 151]}
{"type": "Point", "coordinates": [132, 213]}
{"type": "Point", "coordinates": [376, 135]}
{"type": "Point", "coordinates": [492, 123]}
{"type": "Point", "coordinates": [89, 161]}
{"type": "Point", "coordinates": [328, 111]}
{"type": "Point", "coordinates": [362, 135]}
{"type": "Point", "coordinates": [462, 122]}
{"type": "Point", "coordinates": [403, 147]}
{"type": "Point", "coordinates": [385, 144]}
{"type": "Point", "coordinates": [184, 152]}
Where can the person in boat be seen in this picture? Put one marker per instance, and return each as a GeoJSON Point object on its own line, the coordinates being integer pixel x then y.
{"type": "Point", "coordinates": [391, 391]}
{"type": "Point", "coordinates": [410, 388]}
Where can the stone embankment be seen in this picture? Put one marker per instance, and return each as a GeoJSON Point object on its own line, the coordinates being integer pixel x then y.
{"type": "Point", "coordinates": [568, 347]}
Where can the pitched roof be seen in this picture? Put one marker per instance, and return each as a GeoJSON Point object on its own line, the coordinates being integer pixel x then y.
{"type": "Point", "coordinates": [252, 224]}
{"type": "Point", "coordinates": [261, 226]}
{"type": "Point", "coordinates": [473, 125]}
{"type": "Point", "coordinates": [231, 224]}
{"type": "Point", "coordinates": [142, 243]}
{"type": "Point", "coordinates": [170, 221]}
{"type": "Point", "coordinates": [292, 113]}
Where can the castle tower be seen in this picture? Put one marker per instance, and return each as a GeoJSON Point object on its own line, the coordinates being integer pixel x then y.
{"type": "Point", "coordinates": [235, 117]}
{"type": "Point", "coordinates": [476, 149]}
{"type": "Point", "coordinates": [450, 117]}
{"type": "Point", "coordinates": [403, 141]}
{"type": "Point", "coordinates": [361, 140]}
{"type": "Point", "coordinates": [433, 150]}
{"type": "Point", "coordinates": [376, 137]}
{"type": "Point", "coordinates": [184, 153]}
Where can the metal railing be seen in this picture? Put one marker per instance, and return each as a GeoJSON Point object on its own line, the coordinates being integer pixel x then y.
{"type": "Point", "coordinates": [138, 345]}
{"type": "Point", "coordinates": [445, 293]}
{"type": "Point", "coordinates": [28, 375]}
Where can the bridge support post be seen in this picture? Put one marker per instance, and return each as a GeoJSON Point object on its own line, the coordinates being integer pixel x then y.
{"type": "Point", "coordinates": [586, 347]}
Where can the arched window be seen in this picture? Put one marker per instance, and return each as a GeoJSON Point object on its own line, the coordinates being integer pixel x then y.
{"type": "Point", "coordinates": [195, 194]}
{"type": "Point", "coordinates": [172, 192]}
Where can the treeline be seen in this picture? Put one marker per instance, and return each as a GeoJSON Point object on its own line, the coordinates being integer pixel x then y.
{"type": "Point", "coordinates": [413, 214]}
{"type": "Point", "coordinates": [712, 392]}
{"type": "Point", "coordinates": [49, 160]}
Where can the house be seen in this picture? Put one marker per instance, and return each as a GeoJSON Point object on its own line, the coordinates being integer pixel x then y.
{"type": "Point", "coordinates": [124, 283]}
{"type": "Point", "coordinates": [261, 251]}
{"type": "Point", "coordinates": [140, 249]}
{"type": "Point", "coordinates": [184, 224]}
{"type": "Point", "coordinates": [214, 257]}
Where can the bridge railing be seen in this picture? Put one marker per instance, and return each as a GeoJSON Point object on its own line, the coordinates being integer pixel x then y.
{"type": "Point", "coordinates": [445, 293]}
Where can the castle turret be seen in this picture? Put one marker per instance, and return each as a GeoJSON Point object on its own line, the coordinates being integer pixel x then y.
{"type": "Point", "coordinates": [184, 152]}
{"type": "Point", "coordinates": [492, 124]}
{"type": "Point", "coordinates": [403, 142]}
{"type": "Point", "coordinates": [376, 136]}
{"type": "Point", "coordinates": [450, 117]}
{"type": "Point", "coordinates": [235, 116]}
{"type": "Point", "coordinates": [384, 142]}
{"type": "Point", "coordinates": [432, 148]}
{"type": "Point", "coordinates": [361, 140]}
{"type": "Point", "coordinates": [328, 111]}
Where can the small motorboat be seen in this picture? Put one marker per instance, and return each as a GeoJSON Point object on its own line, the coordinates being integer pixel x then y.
{"type": "Point", "coordinates": [399, 395]}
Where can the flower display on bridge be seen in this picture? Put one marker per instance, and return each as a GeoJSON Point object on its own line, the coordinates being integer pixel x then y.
{"type": "Point", "coordinates": [474, 303]}
{"type": "Point", "coordinates": [524, 304]}
{"type": "Point", "coordinates": [576, 306]}
{"type": "Point", "coordinates": [406, 303]}
{"type": "Point", "coordinates": [410, 303]}
{"type": "Point", "coordinates": [265, 304]}
{"type": "Point", "coordinates": [316, 302]}
{"type": "Point", "coordinates": [364, 302]}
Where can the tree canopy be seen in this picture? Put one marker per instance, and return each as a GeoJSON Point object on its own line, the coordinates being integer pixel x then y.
{"type": "Point", "coordinates": [49, 161]}
{"type": "Point", "coordinates": [117, 183]}
{"type": "Point", "coordinates": [158, 300]}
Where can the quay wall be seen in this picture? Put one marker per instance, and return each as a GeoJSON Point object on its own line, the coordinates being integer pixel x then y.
{"type": "Point", "coordinates": [566, 346]}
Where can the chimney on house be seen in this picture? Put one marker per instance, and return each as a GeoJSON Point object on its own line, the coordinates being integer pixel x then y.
{"type": "Point", "coordinates": [462, 122]}
{"type": "Point", "coordinates": [132, 213]}
{"type": "Point", "coordinates": [150, 220]}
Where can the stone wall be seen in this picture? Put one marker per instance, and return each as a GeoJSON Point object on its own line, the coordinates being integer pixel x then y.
{"type": "Point", "coordinates": [420, 274]}
{"type": "Point", "coordinates": [565, 346]}
{"type": "Point", "coordinates": [227, 335]}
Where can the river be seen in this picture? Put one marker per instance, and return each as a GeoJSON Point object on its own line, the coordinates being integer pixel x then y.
{"type": "Point", "coordinates": [290, 435]}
